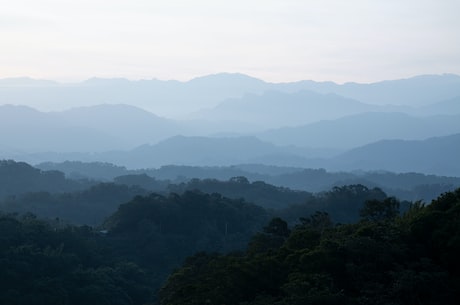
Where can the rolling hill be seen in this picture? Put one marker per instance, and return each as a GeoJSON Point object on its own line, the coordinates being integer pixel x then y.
{"type": "Point", "coordinates": [360, 129]}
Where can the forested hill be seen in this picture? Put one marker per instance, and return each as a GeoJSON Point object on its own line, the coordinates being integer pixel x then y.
{"type": "Point", "coordinates": [139, 245]}
{"type": "Point", "coordinates": [408, 186]}
{"type": "Point", "coordinates": [383, 259]}
{"type": "Point", "coordinates": [259, 192]}
{"type": "Point", "coordinates": [54, 263]}
{"type": "Point", "coordinates": [19, 177]}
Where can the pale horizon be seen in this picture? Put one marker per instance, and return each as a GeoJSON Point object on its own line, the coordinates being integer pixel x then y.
{"type": "Point", "coordinates": [354, 41]}
{"type": "Point", "coordinates": [184, 80]}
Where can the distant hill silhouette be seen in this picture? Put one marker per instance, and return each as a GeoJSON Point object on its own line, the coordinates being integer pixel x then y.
{"type": "Point", "coordinates": [84, 129]}
{"type": "Point", "coordinates": [450, 106]}
{"type": "Point", "coordinates": [132, 126]}
{"type": "Point", "coordinates": [438, 155]}
{"type": "Point", "coordinates": [174, 98]}
{"type": "Point", "coordinates": [205, 151]}
{"type": "Point", "coordinates": [274, 108]}
{"type": "Point", "coordinates": [432, 156]}
{"type": "Point", "coordinates": [19, 177]}
{"type": "Point", "coordinates": [25, 129]}
{"type": "Point", "coordinates": [360, 129]}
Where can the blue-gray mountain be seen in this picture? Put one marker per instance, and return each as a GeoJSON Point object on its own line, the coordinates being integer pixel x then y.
{"type": "Point", "coordinates": [432, 156]}
{"type": "Point", "coordinates": [439, 155]}
{"type": "Point", "coordinates": [360, 129]}
{"type": "Point", "coordinates": [24, 130]}
{"type": "Point", "coordinates": [241, 124]}
{"type": "Point", "coordinates": [174, 98]}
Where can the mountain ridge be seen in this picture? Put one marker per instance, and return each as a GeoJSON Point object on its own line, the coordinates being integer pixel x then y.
{"type": "Point", "coordinates": [176, 99]}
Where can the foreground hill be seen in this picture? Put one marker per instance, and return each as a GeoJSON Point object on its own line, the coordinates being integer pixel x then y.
{"type": "Point", "coordinates": [146, 238]}
{"type": "Point", "coordinates": [384, 259]}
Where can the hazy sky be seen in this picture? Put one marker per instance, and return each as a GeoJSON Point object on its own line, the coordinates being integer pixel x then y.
{"type": "Point", "coordinates": [284, 40]}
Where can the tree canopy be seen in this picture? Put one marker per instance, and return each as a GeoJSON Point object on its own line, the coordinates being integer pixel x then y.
{"type": "Point", "coordinates": [383, 259]}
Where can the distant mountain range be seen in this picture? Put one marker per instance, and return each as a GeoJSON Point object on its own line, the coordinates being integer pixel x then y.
{"type": "Point", "coordinates": [409, 186]}
{"type": "Point", "coordinates": [274, 108]}
{"type": "Point", "coordinates": [360, 129]}
{"type": "Point", "coordinates": [432, 156]}
{"type": "Point", "coordinates": [438, 155]}
{"type": "Point", "coordinates": [87, 129]}
{"type": "Point", "coordinates": [232, 119]}
{"type": "Point", "coordinates": [179, 99]}
{"type": "Point", "coordinates": [122, 127]}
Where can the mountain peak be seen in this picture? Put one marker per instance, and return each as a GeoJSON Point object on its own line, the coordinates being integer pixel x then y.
{"type": "Point", "coordinates": [226, 77]}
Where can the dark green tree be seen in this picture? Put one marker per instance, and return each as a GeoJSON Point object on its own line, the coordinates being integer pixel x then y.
{"type": "Point", "coordinates": [380, 210]}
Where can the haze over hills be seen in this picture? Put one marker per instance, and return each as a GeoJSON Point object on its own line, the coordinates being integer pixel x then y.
{"type": "Point", "coordinates": [415, 91]}
{"type": "Point", "coordinates": [438, 155]}
{"type": "Point", "coordinates": [132, 126]}
{"type": "Point", "coordinates": [360, 129]}
{"type": "Point", "coordinates": [98, 128]}
{"type": "Point", "coordinates": [165, 98]}
{"type": "Point", "coordinates": [121, 127]}
{"type": "Point", "coordinates": [178, 99]}
{"type": "Point", "coordinates": [432, 156]}
{"type": "Point", "coordinates": [450, 106]}
{"type": "Point", "coordinates": [241, 122]}
{"type": "Point", "coordinates": [278, 109]}
{"type": "Point", "coordinates": [23, 129]}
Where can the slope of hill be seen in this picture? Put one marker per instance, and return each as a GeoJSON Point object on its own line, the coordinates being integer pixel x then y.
{"type": "Point", "coordinates": [26, 129]}
{"type": "Point", "coordinates": [383, 259]}
{"type": "Point", "coordinates": [414, 91]}
{"type": "Point", "coordinates": [84, 129]}
{"type": "Point", "coordinates": [19, 177]}
{"type": "Point", "coordinates": [100, 171]}
{"type": "Point", "coordinates": [360, 129]}
{"type": "Point", "coordinates": [202, 151]}
{"type": "Point", "coordinates": [439, 155]}
{"type": "Point", "coordinates": [450, 106]}
{"type": "Point", "coordinates": [407, 186]}
{"type": "Point", "coordinates": [132, 126]}
{"type": "Point", "coordinates": [423, 156]}
{"type": "Point", "coordinates": [274, 108]}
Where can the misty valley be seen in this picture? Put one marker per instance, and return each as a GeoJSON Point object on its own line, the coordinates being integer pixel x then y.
{"type": "Point", "coordinates": [227, 189]}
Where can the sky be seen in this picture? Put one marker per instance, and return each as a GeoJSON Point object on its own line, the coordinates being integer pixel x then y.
{"type": "Point", "coordinates": [277, 41]}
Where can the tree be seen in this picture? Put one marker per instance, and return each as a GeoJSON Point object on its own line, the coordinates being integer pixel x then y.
{"type": "Point", "coordinates": [277, 227]}
{"type": "Point", "coordinates": [376, 210]}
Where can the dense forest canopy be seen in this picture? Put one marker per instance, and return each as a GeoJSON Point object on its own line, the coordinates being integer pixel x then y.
{"type": "Point", "coordinates": [383, 259]}
{"type": "Point", "coordinates": [406, 185]}
{"type": "Point", "coordinates": [238, 241]}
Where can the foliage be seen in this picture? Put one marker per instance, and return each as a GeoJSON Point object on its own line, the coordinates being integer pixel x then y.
{"type": "Point", "coordinates": [43, 263]}
{"type": "Point", "coordinates": [19, 178]}
{"type": "Point", "coordinates": [88, 207]}
{"type": "Point", "coordinates": [376, 210]}
{"type": "Point", "coordinates": [342, 204]}
{"type": "Point", "coordinates": [384, 259]}
{"type": "Point", "coordinates": [258, 192]}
